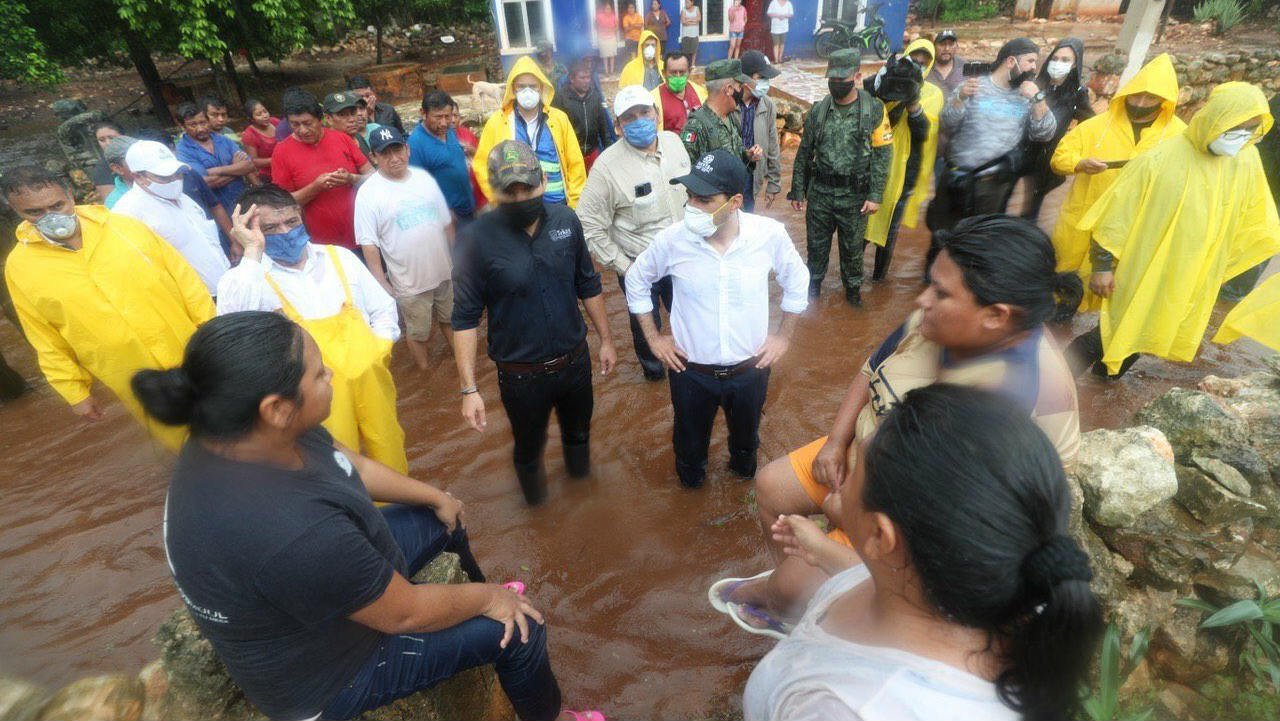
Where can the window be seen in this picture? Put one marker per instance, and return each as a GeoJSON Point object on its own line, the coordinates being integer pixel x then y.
{"type": "Point", "coordinates": [523, 24]}
{"type": "Point", "coordinates": [848, 11]}
{"type": "Point", "coordinates": [715, 17]}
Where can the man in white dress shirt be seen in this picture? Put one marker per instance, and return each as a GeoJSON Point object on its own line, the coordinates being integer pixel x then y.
{"type": "Point", "coordinates": [157, 200]}
{"type": "Point", "coordinates": [329, 292]}
{"type": "Point", "coordinates": [721, 349]}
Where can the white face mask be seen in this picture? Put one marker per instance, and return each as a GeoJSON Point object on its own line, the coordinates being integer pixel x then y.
{"type": "Point", "coordinates": [1230, 142]}
{"type": "Point", "coordinates": [700, 222]}
{"type": "Point", "coordinates": [528, 98]}
{"type": "Point", "coordinates": [171, 190]}
{"type": "Point", "coordinates": [760, 89]}
{"type": "Point", "coordinates": [649, 52]}
{"type": "Point", "coordinates": [1058, 69]}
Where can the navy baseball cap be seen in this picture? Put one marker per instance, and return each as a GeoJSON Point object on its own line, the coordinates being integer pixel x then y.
{"type": "Point", "coordinates": [716, 172]}
{"type": "Point", "coordinates": [385, 137]}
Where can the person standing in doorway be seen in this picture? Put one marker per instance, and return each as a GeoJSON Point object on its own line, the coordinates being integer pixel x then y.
{"type": "Point", "coordinates": [403, 221]}
{"type": "Point", "coordinates": [840, 171]}
{"type": "Point", "coordinates": [629, 198]}
{"type": "Point", "coordinates": [607, 34]}
{"type": "Point", "coordinates": [657, 21]}
{"type": "Point", "coordinates": [690, 31]}
{"type": "Point", "coordinates": [756, 118]}
{"type": "Point", "coordinates": [737, 27]}
{"type": "Point", "coordinates": [721, 350]}
{"type": "Point", "coordinates": [780, 13]}
{"type": "Point", "coordinates": [529, 273]}
{"type": "Point", "coordinates": [632, 25]}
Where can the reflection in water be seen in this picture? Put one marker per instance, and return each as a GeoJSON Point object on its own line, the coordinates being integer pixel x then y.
{"type": "Point", "coordinates": [619, 562]}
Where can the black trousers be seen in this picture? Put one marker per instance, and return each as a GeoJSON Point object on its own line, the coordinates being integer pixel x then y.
{"type": "Point", "coordinates": [1085, 353]}
{"type": "Point", "coordinates": [950, 205]}
{"type": "Point", "coordinates": [529, 399]}
{"type": "Point", "coordinates": [661, 293]}
{"type": "Point", "coordinates": [695, 399]}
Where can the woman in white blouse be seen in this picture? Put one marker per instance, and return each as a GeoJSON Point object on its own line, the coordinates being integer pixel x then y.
{"type": "Point", "coordinates": [963, 598]}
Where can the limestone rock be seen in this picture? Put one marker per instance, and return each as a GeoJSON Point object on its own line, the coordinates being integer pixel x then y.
{"type": "Point", "coordinates": [1124, 473]}
{"type": "Point", "coordinates": [1142, 607]}
{"type": "Point", "coordinates": [1180, 651]}
{"type": "Point", "coordinates": [1170, 549]}
{"type": "Point", "coordinates": [1210, 501]}
{"type": "Point", "coordinates": [1196, 422]}
{"type": "Point", "coordinates": [1255, 398]}
{"type": "Point", "coordinates": [198, 685]}
{"type": "Point", "coordinates": [97, 698]}
{"type": "Point", "coordinates": [19, 700]}
{"type": "Point", "coordinates": [1224, 474]}
{"type": "Point", "coordinates": [1235, 582]}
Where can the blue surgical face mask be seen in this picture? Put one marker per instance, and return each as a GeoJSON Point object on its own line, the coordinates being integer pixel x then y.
{"type": "Point", "coordinates": [287, 248]}
{"type": "Point", "coordinates": [641, 132]}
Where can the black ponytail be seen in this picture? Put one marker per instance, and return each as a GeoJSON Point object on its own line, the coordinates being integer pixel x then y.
{"type": "Point", "coordinates": [1010, 260]}
{"type": "Point", "coordinates": [231, 363]}
{"type": "Point", "coordinates": [980, 497]}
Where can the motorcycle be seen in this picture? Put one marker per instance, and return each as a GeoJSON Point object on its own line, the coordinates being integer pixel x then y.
{"type": "Point", "coordinates": [836, 35]}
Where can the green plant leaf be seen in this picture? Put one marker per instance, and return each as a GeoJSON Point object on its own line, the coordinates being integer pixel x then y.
{"type": "Point", "coordinates": [1238, 612]}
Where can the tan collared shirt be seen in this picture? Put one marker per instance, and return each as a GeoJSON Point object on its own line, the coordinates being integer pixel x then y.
{"type": "Point", "coordinates": [619, 218]}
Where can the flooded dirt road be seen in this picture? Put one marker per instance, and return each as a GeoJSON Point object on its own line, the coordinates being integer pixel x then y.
{"type": "Point", "coordinates": [619, 562]}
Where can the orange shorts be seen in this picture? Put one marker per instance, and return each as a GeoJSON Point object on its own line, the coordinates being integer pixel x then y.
{"type": "Point", "coordinates": [802, 463]}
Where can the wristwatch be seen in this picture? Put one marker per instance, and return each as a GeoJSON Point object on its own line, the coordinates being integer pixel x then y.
{"type": "Point", "coordinates": [1037, 97]}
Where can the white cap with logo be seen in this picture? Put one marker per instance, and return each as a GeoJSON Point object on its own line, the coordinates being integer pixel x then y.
{"type": "Point", "coordinates": [148, 156]}
{"type": "Point", "coordinates": [629, 97]}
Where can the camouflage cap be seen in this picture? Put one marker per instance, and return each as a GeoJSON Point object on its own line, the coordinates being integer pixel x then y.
{"type": "Point", "coordinates": [721, 69]}
{"type": "Point", "coordinates": [514, 162]}
{"type": "Point", "coordinates": [844, 63]}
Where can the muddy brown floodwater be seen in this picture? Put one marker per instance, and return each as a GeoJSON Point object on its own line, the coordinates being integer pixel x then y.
{"type": "Point", "coordinates": [619, 562]}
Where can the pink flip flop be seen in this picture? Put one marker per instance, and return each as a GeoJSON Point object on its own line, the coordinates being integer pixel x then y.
{"type": "Point", "coordinates": [586, 715]}
{"type": "Point", "coordinates": [518, 587]}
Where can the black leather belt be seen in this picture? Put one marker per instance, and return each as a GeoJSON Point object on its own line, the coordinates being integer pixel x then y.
{"type": "Point", "coordinates": [548, 366]}
{"type": "Point", "coordinates": [724, 372]}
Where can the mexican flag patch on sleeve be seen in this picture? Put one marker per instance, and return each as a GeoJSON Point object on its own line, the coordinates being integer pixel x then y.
{"type": "Point", "coordinates": [690, 136]}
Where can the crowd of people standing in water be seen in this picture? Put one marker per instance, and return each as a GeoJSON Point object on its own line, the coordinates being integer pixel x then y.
{"type": "Point", "coordinates": [922, 563]}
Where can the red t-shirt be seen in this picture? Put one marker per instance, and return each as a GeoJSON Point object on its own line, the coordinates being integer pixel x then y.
{"type": "Point", "coordinates": [330, 216]}
{"type": "Point", "coordinates": [264, 144]}
{"type": "Point", "coordinates": [675, 108]}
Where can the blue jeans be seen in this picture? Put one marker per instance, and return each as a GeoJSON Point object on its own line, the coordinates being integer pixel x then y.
{"type": "Point", "coordinates": [407, 663]}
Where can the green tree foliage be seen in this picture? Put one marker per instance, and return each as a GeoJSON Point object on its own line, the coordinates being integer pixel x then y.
{"type": "Point", "coordinates": [22, 56]}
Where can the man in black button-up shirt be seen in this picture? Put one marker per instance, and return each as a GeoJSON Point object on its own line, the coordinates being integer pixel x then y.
{"type": "Point", "coordinates": [527, 264]}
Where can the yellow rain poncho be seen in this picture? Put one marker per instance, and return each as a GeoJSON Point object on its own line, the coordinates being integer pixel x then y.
{"type": "Point", "coordinates": [124, 302]}
{"type": "Point", "coordinates": [633, 72]}
{"type": "Point", "coordinates": [1180, 221]}
{"type": "Point", "coordinates": [931, 100]}
{"type": "Point", "coordinates": [499, 127]}
{"type": "Point", "coordinates": [1256, 316]}
{"type": "Point", "coordinates": [1108, 136]}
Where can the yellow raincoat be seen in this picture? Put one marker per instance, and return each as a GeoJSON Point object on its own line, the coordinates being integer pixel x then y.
{"type": "Point", "coordinates": [931, 100]}
{"type": "Point", "coordinates": [1179, 221]}
{"type": "Point", "coordinates": [633, 72]}
{"type": "Point", "coordinates": [1257, 316]}
{"type": "Point", "coordinates": [1108, 136]}
{"type": "Point", "coordinates": [124, 302]}
{"type": "Point", "coordinates": [499, 128]}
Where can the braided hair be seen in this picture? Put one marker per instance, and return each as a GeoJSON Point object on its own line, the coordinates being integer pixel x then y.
{"type": "Point", "coordinates": [979, 495]}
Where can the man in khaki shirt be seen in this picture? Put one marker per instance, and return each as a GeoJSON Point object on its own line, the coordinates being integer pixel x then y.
{"type": "Point", "coordinates": [629, 197]}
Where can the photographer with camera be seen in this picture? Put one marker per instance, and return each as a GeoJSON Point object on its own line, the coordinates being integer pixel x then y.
{"type": "Point", "coordinates": [988, 120]}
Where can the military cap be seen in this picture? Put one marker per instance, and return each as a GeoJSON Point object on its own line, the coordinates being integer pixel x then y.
{"type": "Point", "coordinates": [337, 102]}
{"type": "Point", "coordinates": [722, 69]}
{"type": "Point", "coordinates": [844, 63]}
{"type": "Point", "coordinates": [514, 162]}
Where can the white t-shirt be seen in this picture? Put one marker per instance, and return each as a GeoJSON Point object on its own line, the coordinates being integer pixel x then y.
{"type": "Point", "coordinates": [184, 225]}
{"type": "Point", "coordinates": [406, 221]}
{"type": "Point", "coordinates": [780, 17]}
{"type": "Point", "coordinates": [814, 676]}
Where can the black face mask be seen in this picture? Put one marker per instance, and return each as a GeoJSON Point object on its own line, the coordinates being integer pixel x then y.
{"type": "Point", "coordinates": [737, 96]}
{"type": "Point", "coordinates": [1140, 114]}
{"type": "Point", "coordinates": [839, 88]}
{"type": "Point", "coordinates": [523, 213]}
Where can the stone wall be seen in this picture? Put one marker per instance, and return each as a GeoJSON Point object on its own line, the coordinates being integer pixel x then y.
{"type": "Point", "coordinates": [1185, 504]}
{"type": "Point", "coordinates": [189, 681]}
{"type": "Point", "coordinates": [1198, 74]}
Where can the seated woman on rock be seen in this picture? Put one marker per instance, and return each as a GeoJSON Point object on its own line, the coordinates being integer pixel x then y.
{"type": "Point", "coordinates": [288, 568]}
{"type": "Point", "coordinates": [980, 323]}
{"type": "Point", "coordinates": [965, 599]}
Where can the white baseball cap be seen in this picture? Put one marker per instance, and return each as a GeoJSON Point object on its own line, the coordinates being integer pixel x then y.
{"type": "Point", "coordinates": [148, 156]}
{"type": "Point", "coordinates": [629, 97]}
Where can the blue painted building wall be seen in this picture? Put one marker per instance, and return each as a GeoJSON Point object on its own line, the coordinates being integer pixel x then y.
{"type": "Point", "coordinates": [573, 21]}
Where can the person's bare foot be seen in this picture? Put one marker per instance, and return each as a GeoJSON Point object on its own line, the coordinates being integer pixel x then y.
{"type": "Point", "coordinates": [753, 592]}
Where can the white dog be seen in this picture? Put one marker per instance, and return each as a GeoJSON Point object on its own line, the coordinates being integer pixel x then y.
{"type": "Point", "coordinates": [485, 95]}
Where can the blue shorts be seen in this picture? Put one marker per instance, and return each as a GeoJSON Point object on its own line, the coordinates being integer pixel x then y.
{"type": "Point", "coordinates": [735, 36]}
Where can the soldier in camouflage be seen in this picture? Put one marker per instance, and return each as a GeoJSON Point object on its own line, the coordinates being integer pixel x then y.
{"type": "Point", "coordinates": [709, 127]}
{"type": "Point", "coordinates": [840, 171]}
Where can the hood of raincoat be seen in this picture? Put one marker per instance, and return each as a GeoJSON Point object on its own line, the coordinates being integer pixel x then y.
{"type": "Point", "coordinates": [633, 72]}
{"type": "Point", "coordinates": [1156, 77]}
{"type": "Point", "coordinates": [522, 65]}
{"type": "Point", "coordinates": [1075, 78]}
{"type": "Point", "coordinates": [1229, 105]}
{"type": "Point", "coordinates": [923, 44]}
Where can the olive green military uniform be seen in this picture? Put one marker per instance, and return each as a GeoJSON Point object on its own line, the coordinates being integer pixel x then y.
{"type": "Point", "coordinates": [705, 131]}
{"type": "Point", "coordinates": [842, 161]}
